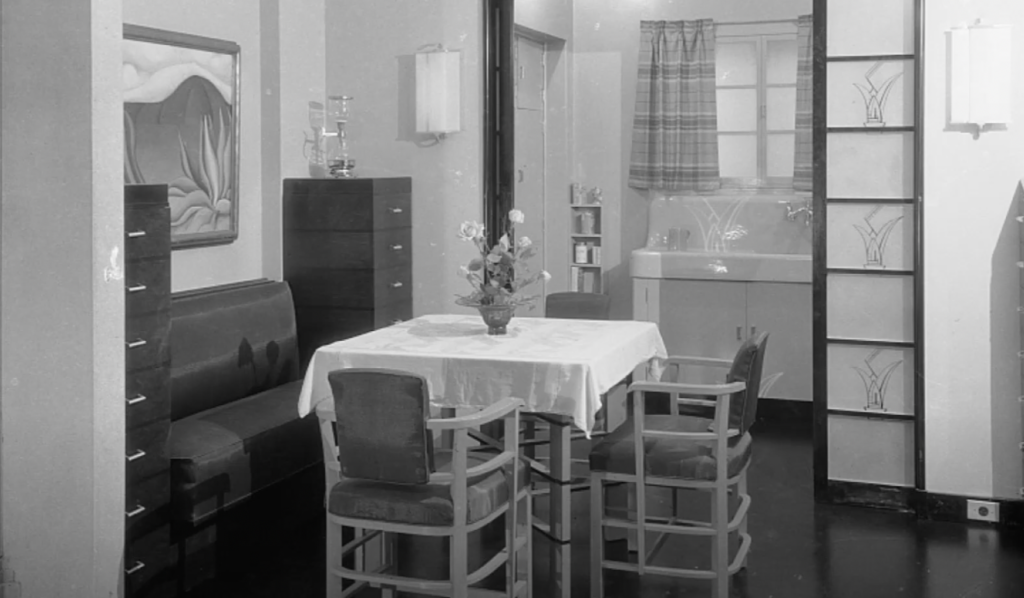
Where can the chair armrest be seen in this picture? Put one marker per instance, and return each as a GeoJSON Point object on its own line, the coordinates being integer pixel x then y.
{"type": "Point", "coordinates": [730, 433]}
{"type": "Point", "coordinates": [716, 390]}
{"type": "Point", "coordinates": [474, 420]}
{"type": "Point", "coordinates": [499, 460]}
{"type": "Point", "coordinates": [695, 360]}
{"type": "Point", "coordinates": [325, 411]}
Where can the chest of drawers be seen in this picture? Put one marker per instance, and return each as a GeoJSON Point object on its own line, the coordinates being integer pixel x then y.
{"type": "Point", "coordinates": [347, 256]}
{"type": "Point", "coordinates": [149, 557]}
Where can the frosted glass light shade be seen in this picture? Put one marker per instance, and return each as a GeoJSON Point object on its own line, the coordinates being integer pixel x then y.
{"type": "Point", "coordinates": [980, 75]}
{"type": "Point", "coordinates": [437, 92]}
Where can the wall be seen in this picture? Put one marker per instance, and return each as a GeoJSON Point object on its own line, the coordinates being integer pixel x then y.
{"type": "Point", "coordinates": [62, 318]}
{"type": "Point", "coordinates": [237, 21]}
{"type": "Point", "coordinates": [370, 56]}
{"type": "Point", "coordinates": [973, 420]}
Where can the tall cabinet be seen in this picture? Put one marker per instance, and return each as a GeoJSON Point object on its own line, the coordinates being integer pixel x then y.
{"type": "Point", "coordinates": [149, 559]}
{"type": "Point", "coordinates": [347, 256]}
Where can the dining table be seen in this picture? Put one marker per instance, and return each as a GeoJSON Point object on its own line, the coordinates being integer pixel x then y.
{"type": "Point", "coordinates": [560, 369]}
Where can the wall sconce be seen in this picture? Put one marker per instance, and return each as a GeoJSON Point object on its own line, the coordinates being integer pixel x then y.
{"type": "Point", "coordinates": [438, 87]}
{"type": "Point", "coordinates": [980, 75]}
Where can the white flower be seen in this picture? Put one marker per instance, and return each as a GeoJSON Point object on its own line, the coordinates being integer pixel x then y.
{"type": "Point", "coordinates": [545, 275]}
{"type": "Point", "coordinates": [524, 242]}
{"type": "Point", "coordinates": [471, 230]}
{"type": "Point", "coordinates": [516, 216]}
{"type": "Point", "coordinates": [503, 243]}
{"type": "Point", "coordinates": [463, 271]}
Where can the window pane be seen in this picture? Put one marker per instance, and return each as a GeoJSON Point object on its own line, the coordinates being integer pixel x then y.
{"type": "Point", "coordinates": [781, 61]}
{"type": "Point", "coordinates": [737, 110]}
{"type": "Point", "coordinates": [781, 147]}
{"type": "Point", "coordinates": [737, 156]}
{"type": "Point", "coordinates": [736, 63]}
{"type": "Point", "coordinates": [781, 108]}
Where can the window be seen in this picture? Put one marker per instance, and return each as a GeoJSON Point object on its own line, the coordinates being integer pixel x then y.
{"type": "Point", "coordinates": [756, 91]}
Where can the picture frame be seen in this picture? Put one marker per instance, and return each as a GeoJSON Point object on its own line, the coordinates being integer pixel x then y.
{"type": "Point", "coordinates": [182, 126]}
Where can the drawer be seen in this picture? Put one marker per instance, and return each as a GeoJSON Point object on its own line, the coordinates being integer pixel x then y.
{"type": "Point", "coordinates": [305, 250]}
{"type": "Point", "coordinates": [348, 213]}
{"type": "Point", "coordinates": [150, 565]}
{"type": "Point", "coordinates": [361, 289]}
{"type": "Point", "coordinates": [146, 451]}
{"type": "Point", "coordinates": [147, 285]}
{"type": "Point", "coordinates": [147, 396]}
{"type": "Point", "coordinates": [147, 504]}
{"type": "Point", "coordinates": [146, 340]}
{"type": "Point", "coordinates": [147, 231]}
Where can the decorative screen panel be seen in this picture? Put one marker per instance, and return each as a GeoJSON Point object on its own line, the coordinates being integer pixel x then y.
{"type": "Point", "coordinates": [870, 27]}
{"type": "Point", "coordinates": [871, 380]}
{"type": "Point", "coordinates": [871, 236]}
{"type": "Point", "coordinates": [871, 451]}
{"type": "Point", "coordinates": [871, 308]}
{"type": "Point", "coordinates": [871, 93]}
{"type": "Point", "coordinates": [870, 165]}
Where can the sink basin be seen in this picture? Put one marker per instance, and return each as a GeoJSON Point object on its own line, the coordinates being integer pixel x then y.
{"type": "Point", "coordinates": [765, 267]}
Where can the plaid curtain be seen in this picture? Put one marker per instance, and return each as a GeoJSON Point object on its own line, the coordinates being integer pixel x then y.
{"type": "Point", "coordinates": [803, 162]}
{"type": "Point", "coordinates": [675, 126]}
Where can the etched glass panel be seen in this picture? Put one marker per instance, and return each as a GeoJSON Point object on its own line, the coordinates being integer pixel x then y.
{"type": "Point", "coordinates": [874, 308]}
{"type": "Point", "coordinates": [870, 236]}
{"type": "Point", "coordinates": [871, 379]}
{"type": "Point", "coordinates": [870, 451]}
{"type": "Point", "coordinates": [860, 27]}
{"type": "Point", "coordinates": [870, 165]}
{"type": "Point", "coordinates": [873, 94]}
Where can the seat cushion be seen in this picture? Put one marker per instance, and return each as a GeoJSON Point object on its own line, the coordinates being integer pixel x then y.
{"type": "Point", "coordinates": [669, 457]}
{"type": "Point", "coordinates": [224, 454]}
{"type": "Point", "coordinates": [422, 504]}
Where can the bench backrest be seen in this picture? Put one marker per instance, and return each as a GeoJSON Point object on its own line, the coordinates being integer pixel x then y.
{"type": "Point", "coordinates": [230, 342]}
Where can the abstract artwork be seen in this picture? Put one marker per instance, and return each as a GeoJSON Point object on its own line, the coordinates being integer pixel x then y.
{"type": "Point", "coordinates": [875, 237]}
{"type": "Point", "coordinates": [876, 94]}
{"type": "Point", "coordinates": [181, 126]}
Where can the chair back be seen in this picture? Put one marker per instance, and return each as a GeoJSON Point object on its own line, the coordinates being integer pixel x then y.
{"type": "Point", "coordinates": [579, 306]}
{"type": "Point", "coordinates": [747, 367]}
{"type": "Point", "coordinates": [381, 423]}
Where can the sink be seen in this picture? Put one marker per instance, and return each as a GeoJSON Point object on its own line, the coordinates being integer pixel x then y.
{"type": "Point", "coordinates": [765, 267]}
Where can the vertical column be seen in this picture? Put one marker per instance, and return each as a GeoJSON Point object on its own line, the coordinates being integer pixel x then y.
{"type": "Point", "coordinates": [867, 267]}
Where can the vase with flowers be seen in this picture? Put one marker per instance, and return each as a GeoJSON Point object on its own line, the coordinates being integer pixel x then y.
{"type": "Point", "coordinates": [499, 274]}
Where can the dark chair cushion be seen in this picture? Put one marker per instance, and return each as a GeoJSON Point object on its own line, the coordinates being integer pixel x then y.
{"type": "Point", "coordinates": [222, 455]}
{"type": "Point", "coordinates": [422, 504]}
{"type": "Point", "coordinates": [230, 342]}
{"type": "Point", "coordinates": [669, 457]}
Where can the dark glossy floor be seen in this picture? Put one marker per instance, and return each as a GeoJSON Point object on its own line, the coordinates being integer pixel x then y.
{"type": "Point", "coordinates": [800, 549]}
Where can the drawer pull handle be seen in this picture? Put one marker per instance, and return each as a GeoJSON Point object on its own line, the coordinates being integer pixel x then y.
{"type": "Point", "coordinates": [396, 247]}
{"type": "Point", "coordinates": [138, 566]}
{"type": "Point", "coordinates": [135, 234]}
{"type": "Point", "coordinates": [138, 510]}
{"type": "Point", "coordinates": [137, 288]}
{"type": "Point", "coordinates": [396, 285]}
{"type": "Point", "coordinates": [397, 210]}
{"type": "Point", "coordinates": [136, 399]}
{"type": "Point", "coordinates": [136, 455]}
{"type": "Point", "coordinates": [136, 344]}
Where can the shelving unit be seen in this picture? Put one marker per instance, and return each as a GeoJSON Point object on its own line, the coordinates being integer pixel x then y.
{"type": "Point", "coordinates": [586, 270]}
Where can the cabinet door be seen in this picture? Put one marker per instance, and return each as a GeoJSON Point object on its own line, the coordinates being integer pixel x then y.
{"type": "Point", "coordinates": [784, 310]}
{"type": "Point", "coordinates": [703, 318]}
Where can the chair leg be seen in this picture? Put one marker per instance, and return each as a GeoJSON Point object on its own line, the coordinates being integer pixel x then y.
{"type": "Point", "coordinates": [459, 564]}
{"type": "Point", "coordinates": [720, 541]}
{"type": "Point", "coordinates": [741, 495]}
{"type": "Point", "coordinates": [334, 544]}
{"type": "Point", "coordinates": [528, 553]}
{"type": "Point", "coordinates": [596, 537]}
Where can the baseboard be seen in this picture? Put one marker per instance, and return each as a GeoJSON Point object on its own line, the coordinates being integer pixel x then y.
{"type": "Point", "coordinates": [876, 496]}
{"type": "Point", "coordinates": [785, 411]}
{"type": "Point", "coordinates": [952, 508]}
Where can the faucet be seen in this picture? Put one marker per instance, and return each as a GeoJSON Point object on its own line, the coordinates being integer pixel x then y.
{"type": "Point", "coordinates": [805, 209]}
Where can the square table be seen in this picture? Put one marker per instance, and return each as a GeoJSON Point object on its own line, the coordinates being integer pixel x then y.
{"type": "Point", "coordinates": [560, 368]}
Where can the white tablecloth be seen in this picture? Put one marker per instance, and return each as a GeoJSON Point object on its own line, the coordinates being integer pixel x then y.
{"type": "Point", "coordinates": [555, 366]}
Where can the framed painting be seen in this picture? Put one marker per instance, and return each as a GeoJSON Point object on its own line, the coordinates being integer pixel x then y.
{"type": "Point", "coordinates": [181, 126]}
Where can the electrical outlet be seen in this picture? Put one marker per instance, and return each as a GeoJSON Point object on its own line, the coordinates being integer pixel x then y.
{"type": "Point", "coordinates": [983, 510]}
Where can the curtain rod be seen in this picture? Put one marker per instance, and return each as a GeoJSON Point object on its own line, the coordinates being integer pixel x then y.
{"type": "Point", "coordinates": [767, 22]}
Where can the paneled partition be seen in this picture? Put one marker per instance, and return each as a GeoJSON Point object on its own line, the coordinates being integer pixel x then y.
{"type": "Point", "coordinates": [867, 260]}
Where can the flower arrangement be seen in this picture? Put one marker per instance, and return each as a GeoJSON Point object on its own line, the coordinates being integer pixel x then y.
{"type": "Point", "coordinates": [500, 273]}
